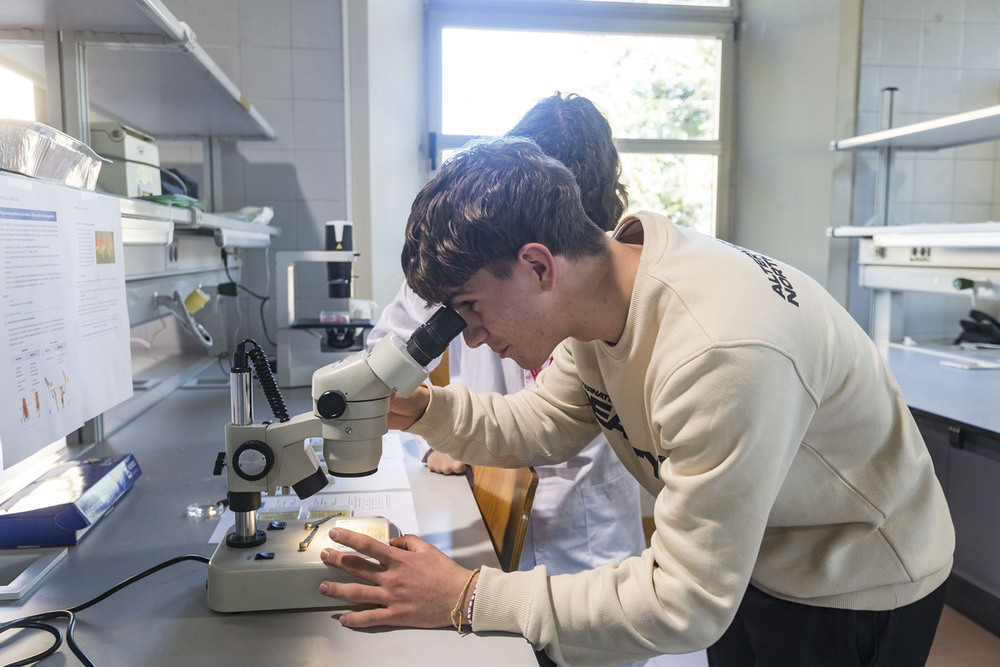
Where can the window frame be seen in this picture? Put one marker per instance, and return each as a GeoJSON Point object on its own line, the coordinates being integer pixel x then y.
{"type": "Point", "coordinates": [596, 17]}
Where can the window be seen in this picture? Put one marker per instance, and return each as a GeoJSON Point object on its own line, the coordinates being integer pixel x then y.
{"type": "Point", "coordinates": [18, 99]}
{"type": "Point", "coordinates": [659, 73]}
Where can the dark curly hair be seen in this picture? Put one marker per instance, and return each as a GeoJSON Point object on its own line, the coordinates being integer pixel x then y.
{"type": "Point", "coordinates": [482, 206]}
{"type": "Point", "coordinates": [573, 130]}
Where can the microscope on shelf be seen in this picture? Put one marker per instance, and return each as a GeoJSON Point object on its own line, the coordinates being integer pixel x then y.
{"type": "Point", "coordinates": [279, 567]}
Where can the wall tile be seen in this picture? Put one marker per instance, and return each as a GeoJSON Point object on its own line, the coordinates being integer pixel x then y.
{"type": "Point", "coordinates": [941, 45]}
{"type": "Point", "coordinates": [265, 23]}
{"type": "Point", "coordinates": [901, 43]}
{"type": "Point", "coordinates": [319, 125]}
{"type": "Point", "coordinates": [316, 24]}
{"type": "Point", "coordinates": [215, 22]}
{"type": "Point", "coordinates": [317, 74]}
{"type": "Point", "coordinates": [944, 10]}
{"type": "Point", "coordinates": [902, 181]}
{"type": "Point", "coordinates": [267, 73]}
{"type": "Point", "coordinates": [973, 181]}
{"type": "Point", "coordinates": [940, 91]}
{"type": "Point", "coordinates": [982, 11]}
{"type": "Point", "coordinates": [980, 88]}
{"type": "Point", "coordinates": [981, 46]}
{"type": "Point", "coordinates": [320, 174]}
{"type": "Point", "coordinates": [280, 114]}
{"type": "Point", "coordinates": [934, 181]}
{"type": "Point", "coordinates": [270, 174]}
{"type": "Point", "coordinates": [971, 212]}
{"type": "Point", "coordinates": [932, 213]}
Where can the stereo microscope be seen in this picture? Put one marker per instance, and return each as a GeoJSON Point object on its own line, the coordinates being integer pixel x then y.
{"type": "Point", "coordinates": [279, 567]}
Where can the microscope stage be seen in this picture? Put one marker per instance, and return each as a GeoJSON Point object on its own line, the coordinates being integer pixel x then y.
{"type": "Point", "coordinates": [281, 573]}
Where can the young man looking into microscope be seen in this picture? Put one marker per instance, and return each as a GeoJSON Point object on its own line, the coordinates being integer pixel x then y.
{"type": "Point", "coordinates": [798, 518]}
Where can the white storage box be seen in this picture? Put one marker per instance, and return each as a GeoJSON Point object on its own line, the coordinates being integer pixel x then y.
{"type": "Point", "coordinates": [135, 160]}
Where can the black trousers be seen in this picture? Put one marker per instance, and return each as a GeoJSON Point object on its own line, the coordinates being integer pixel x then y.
{"type": "Point", "coordinates": [768, 632]}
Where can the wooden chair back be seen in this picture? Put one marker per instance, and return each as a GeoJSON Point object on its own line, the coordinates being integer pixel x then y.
{"type": "Point", "coordinates": [439, 376]}
{"type": "Point", "coordinates": [504, 496]}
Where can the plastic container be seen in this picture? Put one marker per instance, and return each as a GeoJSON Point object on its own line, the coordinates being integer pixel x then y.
{"type": "Point", "coordinates": [43, 152]}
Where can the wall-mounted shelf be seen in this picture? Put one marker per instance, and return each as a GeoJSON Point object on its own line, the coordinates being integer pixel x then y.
{"type": "Point", "coordinates": [922, 257]}
{"type": "Point", "coordinates": [134, 62]}
{"type": "Point", "coordinates": [958, 130]}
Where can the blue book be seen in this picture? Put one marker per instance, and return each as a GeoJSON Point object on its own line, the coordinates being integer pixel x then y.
{"type": "Point", "coordinates": [58, 508]}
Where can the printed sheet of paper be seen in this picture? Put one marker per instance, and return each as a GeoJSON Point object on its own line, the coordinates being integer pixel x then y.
{"type": "Point", "coordinates": [391, 474]}
{"type": "Point", "coordinates": [101, 304]}
{"type": "Point", "coordinates": [64, 336]}
{"type": "Point", "coordinates": [392, 499]}
{"type": "Point", "coordinates": [396, 506]}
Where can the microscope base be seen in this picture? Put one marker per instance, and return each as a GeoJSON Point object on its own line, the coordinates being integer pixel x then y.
{"type": "Point", "coordinates": [277, 575]}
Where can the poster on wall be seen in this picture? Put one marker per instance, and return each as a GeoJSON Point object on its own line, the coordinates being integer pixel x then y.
{"type": "Point", "coordinates": [64, 334]}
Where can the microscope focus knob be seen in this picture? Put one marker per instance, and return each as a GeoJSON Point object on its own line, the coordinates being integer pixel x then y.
{"type": "Point", "coordinates": [331, 405]}
{"type": "Point", "coordinates": [253, 460]}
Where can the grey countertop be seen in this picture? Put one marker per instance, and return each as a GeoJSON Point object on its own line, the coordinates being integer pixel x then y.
{"type": "Point", "coordinates": [165, 620]}
{"type": "Point", "coordinates": [968, 396]}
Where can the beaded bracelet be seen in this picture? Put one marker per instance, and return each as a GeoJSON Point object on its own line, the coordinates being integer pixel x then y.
{"type": "Point", "coordinates": [468, 614]}
{"type": "Point", "coordinates": [456, 613]}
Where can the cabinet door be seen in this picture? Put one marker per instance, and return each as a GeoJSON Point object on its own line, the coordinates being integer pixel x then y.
{"type": "Point", "coordinates": [974, 498]}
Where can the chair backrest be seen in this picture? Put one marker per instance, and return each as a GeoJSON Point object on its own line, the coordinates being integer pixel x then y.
{"type": "Point", "coordinates": [439, 376]}
{"type": "Point", "coordinates": [504, 496]}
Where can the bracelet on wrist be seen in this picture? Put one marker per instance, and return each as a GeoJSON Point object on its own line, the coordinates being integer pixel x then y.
{"type": "Point", "coordinates": [456, 613]}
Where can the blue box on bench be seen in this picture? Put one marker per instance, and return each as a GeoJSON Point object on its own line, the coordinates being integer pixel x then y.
{"type": "Point", "coordinates": [59, 507]}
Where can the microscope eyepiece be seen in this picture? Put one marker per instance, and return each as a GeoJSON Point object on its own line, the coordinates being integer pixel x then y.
{"type": "Point", "coordinates": [431, 339]}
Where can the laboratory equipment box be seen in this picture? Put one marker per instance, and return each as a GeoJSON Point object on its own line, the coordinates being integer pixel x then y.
{"type": "Point", "coordinates": [135, 160]}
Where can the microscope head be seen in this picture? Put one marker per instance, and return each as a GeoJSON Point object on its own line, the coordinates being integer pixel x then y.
{"type": "Point", "coordinates": [351, 397]}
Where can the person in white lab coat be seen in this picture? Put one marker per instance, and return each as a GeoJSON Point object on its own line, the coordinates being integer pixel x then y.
{"type": "Point", "coordinates": [586, 511]}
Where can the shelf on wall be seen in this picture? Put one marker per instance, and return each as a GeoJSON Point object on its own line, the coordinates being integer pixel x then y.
{"type": "Point", "coordinates": [143, 66]}
{"type": "Point", "coordinates": [943, 234]}
{"type": "Point", "coordinates": [958, 130]}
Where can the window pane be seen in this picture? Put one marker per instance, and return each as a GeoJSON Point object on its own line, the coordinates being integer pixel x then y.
{"type": "Point", "coordinates": [649, 86]}
{"type": "Point", "coordinates": [683, 187]}
{"type": "Point", "coordinates": [697, 3]}
{"type": "Point", "coordinates": [18, 99]}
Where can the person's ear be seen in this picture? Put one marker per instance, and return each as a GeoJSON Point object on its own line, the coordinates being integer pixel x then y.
{"type": "Point", "coordinates": [539, 259]}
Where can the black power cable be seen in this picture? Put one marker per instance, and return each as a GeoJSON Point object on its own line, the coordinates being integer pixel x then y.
{"type": "Point", "coordinates": [263, 299]}
{"type": "Point", "coordinates": [41, 621]}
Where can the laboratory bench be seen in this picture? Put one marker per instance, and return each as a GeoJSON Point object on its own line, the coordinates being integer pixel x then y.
{"type": "Point", "coordinates": [958, 412]}
{"type": "Point", "coordinates": [164, 619]}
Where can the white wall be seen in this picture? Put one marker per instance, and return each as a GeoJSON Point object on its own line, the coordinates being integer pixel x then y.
{"type": "Point", "coordinates": [286, 58]}
{"type": "Point", "coordinates": [786, 116]}
{"type": "Point", "coordinates": [387, 131]}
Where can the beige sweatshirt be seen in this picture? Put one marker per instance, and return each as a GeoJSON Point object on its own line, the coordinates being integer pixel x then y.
{"type": "Point", "coordinates": [769, 428]}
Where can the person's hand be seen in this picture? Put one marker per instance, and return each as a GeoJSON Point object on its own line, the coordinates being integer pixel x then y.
{"type": "Point", "coordinates": [404, 411]}
{"type": "Point", "coordinates": [415, 584]}
{"type": "Point", "coordinates": [444, 464]}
